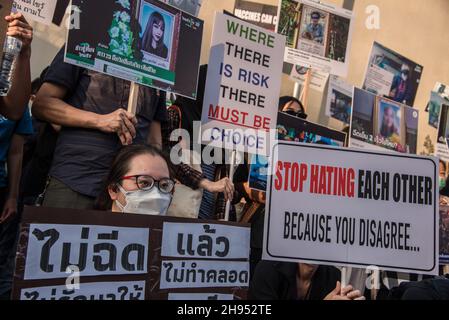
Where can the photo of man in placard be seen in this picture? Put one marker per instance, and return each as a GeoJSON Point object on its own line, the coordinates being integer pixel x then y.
{"type": "Point", "coordinates": [315, 28]}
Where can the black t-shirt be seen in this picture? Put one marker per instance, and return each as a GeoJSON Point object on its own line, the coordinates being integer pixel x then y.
{"type": "Point", "coordinates": [277, 281]}
{"type": "Point", "coordinates": [82, 156]}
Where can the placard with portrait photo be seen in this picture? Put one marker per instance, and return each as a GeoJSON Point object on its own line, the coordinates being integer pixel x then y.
{"type": "Point", "coordinates": [319, 35]}
{"type": "Point", "coordinates": [157, 34]}
{"type": "Point", "coordinates": [145, 41]}
{"type": "Point", "coordinates": [381, 124]}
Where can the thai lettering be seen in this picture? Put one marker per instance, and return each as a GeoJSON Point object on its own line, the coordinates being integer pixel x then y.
{"type": "Point", "coordinates": [91, 249]}
{"type": "Point", "coordinates": [89, 291]}
{"type": "Point", "coordinates": [204, 245]}
{"type": "Point", "coordinates": [178, 274]}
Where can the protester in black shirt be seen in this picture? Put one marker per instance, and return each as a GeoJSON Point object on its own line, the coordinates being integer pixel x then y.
{"type": "Point", "coordinates": [293, 281]}
{"type": "Point", "coordinates": [91, 108]}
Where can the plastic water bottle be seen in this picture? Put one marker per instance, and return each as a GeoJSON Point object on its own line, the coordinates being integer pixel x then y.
{"type": "Point", "coordinates": [11, 50]}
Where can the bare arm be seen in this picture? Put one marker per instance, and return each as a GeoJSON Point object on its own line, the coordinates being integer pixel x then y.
{"type": "Point", "coordinates": [50, 106]}
{"type": "Point", "coordinates": [15, 157]}
{"type": "Point", "coordinates": [13, 105]}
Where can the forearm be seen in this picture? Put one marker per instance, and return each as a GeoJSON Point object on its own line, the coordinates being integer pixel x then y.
{"type": "Point", "coordinates": [190, 177]}
{"type": "Point", "coordinates": [13, 105]}
{"type": "Point", "coordinates": [56, 111]}
{"type": "Point", "coordinates": [15, 158]}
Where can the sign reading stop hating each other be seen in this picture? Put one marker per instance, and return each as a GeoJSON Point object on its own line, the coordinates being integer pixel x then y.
{"type": "Point", "coordinates": [243, 86]}
{"type": "Point", "coordinates": [352, 208]}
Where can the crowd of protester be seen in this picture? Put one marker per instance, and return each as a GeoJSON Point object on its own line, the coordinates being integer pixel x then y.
{"type": "Point", "coordinates": [68, 141]}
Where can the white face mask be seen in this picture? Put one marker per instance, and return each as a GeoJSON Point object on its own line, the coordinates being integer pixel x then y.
{"type": "Point", "coordinates": [151, 202]}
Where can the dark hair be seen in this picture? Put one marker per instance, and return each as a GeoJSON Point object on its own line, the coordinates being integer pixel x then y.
{"type": "Point", "coordinates": [315, 14]}
{"type": "Point", "coordinates": [155, 18]}
{"type": "Point", "coordinates": [287, 99]}
{"type": "Point", "coordinates": [119, 168]}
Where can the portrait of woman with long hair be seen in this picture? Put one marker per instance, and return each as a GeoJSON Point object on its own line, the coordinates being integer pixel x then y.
{"type": "Point", "coordinates": [153, 37]}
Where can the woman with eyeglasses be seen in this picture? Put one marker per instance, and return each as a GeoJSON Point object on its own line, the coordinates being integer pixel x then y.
{"type": "Point", "coordinates": [138, 182]}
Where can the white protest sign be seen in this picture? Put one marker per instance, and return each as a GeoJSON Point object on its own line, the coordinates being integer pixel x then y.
{"type": "Point", "coordinates": [352, 208]}
{"type": "Point", "coordinates": [38, 10]}
{"type": "Point", "coordinates": [442, 90]}
{"type": "Point", "coordinates": [95, 250]}
{"type": "Point", "coordinates": [339, 100]}
{"type": "Point", "coordinates": [243, 86]}
{"type": "Point", "coordinates": [210, 241]}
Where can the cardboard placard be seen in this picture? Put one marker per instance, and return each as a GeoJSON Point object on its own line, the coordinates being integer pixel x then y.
{"type": "Point", "coordinates": [144, 41]}
{"type": "Point", "coordinates": [242, 87]}
{"type": "Point", "coordinates": [391, 75]}
{"type": "Point", "coordinates": [322, 43]}
{"type": "Point", "coordinates": [381, 124]}
{"type": "Point", "coordinates": [126, 257]}
{"type": "Point", "coordinates": [345, 207]}
{"type": "Point", "coordinates": [262, 15]}
{"type": "Point", "coordinates": [292, 129]}
{"type": "Point", "coordinates": [339, 100]}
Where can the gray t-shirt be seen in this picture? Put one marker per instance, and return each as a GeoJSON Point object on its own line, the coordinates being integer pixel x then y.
{"type": "Point", "coordinates": [82, 156]}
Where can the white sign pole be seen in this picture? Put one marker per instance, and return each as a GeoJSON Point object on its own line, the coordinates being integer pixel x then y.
{"type": "Point", "coordinates": [231, 176]}
{"type": "Point", "coordinates": [344, 277]}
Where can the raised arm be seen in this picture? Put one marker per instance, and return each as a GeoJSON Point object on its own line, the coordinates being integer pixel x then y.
{"type": "Point", "coordinates": [14, 103]}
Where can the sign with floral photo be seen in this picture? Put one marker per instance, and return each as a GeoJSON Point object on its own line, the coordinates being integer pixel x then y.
{"type": "Point", "coordinates": [144, 41]}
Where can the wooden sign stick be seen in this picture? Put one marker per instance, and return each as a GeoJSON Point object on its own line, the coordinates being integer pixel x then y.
{"type": "Point", "coordinates": [133, 97]}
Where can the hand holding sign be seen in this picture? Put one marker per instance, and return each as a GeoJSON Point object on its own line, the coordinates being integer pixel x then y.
{"type": "Point", "coordinates": [121, 122]}
{"type": "Point", "coordinates": [19, 28]}
{"type": "Point", "coordinates": [344, 294]}
{"type": "Point", "coordinates": [223, 186]}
